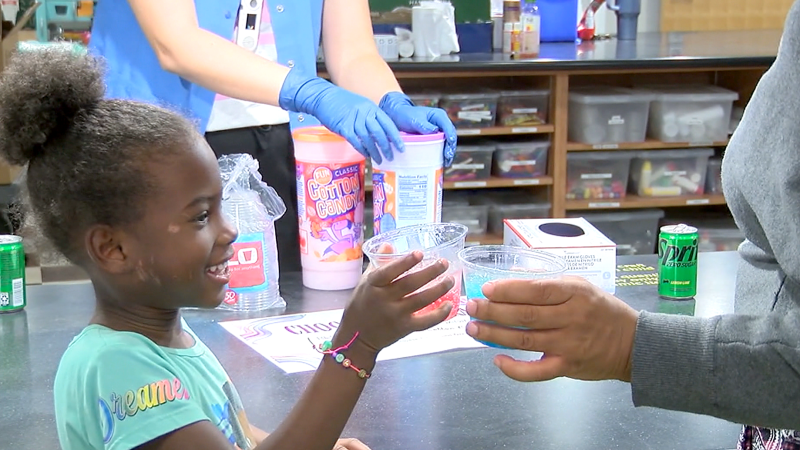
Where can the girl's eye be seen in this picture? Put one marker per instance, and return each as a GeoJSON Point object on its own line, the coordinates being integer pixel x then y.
{"type": "Point", "coordinates": [202, 218]}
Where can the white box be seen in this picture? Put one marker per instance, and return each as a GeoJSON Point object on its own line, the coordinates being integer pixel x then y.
{"type": "Point", "coordinates": [587, 251]}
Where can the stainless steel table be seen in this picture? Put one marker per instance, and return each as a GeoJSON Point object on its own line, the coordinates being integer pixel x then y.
{"type": "Point", "coordinates": [456, 400]}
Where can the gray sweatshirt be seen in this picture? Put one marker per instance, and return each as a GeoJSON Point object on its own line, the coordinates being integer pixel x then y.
{"type": "Point", "coordinates": [744, 368]}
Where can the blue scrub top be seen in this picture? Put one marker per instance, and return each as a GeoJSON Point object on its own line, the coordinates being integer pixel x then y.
{"type": "Point", "coordinates": [133, 70]}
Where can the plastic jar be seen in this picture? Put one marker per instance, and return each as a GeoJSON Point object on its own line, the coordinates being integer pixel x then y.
{"type": "Point", "coordinates": [408, 190]}
{"type": "Point", "coordinates": [330, 207]}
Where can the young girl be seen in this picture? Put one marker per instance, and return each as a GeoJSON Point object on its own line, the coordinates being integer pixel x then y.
{"type": "Point", "coordinates": [131, 193]}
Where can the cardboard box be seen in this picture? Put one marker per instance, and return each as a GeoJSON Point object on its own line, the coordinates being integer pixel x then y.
{"type": "Point", "coordinates": [587, 251]}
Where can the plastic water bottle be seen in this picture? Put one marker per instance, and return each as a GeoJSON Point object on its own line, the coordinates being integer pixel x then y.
{"type": "Point", "coordinates": [253, 209]}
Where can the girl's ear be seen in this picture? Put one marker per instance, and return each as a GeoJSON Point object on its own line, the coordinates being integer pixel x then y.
{"type": "Point", "coordinates": [109, 249]}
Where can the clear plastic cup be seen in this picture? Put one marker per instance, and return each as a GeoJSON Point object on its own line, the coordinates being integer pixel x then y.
{"type": "Point", "coordinates": [484, 263]}
{"type": "Point", "coordinates": [436, 241]}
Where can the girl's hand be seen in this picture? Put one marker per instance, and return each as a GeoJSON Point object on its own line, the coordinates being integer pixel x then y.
{"type": "Point", "coordinates": [350, 444]}
{"type": "Point", "coordinates": [383, 304]}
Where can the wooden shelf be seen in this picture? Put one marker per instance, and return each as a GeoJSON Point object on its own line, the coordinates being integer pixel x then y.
{"type": "Point", "coordinates": [494, 182]}
{"type": "Point", "coordinates": [485, 239]}
{"type": "Point", "coordinates": [501, 131]}
{"type": "Point", "coordinates": [633, 201]}
{"type": "Point", "coordinates": [647, 145]}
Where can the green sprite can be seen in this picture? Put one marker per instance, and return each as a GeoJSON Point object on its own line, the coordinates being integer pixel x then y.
{"type": "Point", "coordinates": [12, 274]}
{"type": "Point", "coordinates": [677, 262]}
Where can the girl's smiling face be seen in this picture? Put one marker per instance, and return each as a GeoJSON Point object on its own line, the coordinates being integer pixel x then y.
{"type": "Point", "coordinates": [181, 247]}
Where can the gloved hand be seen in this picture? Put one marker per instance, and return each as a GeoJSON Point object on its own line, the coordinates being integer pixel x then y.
{"type": "Point", "coordinates": [420, 120]}
{"type": "Point", "coordinates": [357, 119]}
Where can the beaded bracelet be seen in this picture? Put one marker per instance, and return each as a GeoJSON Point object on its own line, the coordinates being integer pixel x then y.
{"type": "Point", "coordinates": [338, 356]}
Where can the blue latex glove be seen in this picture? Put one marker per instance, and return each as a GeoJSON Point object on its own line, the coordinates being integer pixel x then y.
{"type": "Point", "coordinates": [357, 119]}
{"type": "Point", "coordinates": [420, 120]}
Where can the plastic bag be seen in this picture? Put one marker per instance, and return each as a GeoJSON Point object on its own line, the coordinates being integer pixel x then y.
{"type": "Point", "coordinates": [253, 207]}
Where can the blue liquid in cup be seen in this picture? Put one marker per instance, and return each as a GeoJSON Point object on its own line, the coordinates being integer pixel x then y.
{"type": "Point", "coordinates": [474, 285]}
{"type": "Point", "coordinates": [485, 263]}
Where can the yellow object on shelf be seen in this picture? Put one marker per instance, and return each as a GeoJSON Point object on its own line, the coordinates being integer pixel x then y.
{"type": "Point", "coordinates": [85, 8]}
{"type": "Point", "coordinates": [723, 15]}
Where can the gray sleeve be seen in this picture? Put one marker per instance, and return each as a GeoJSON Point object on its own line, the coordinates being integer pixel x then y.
{"type": "Point", "coordinates": [744, 369]}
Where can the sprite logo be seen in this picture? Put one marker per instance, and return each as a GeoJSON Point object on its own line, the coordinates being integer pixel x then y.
{"type": "Point", "coordinates": [670, 255]}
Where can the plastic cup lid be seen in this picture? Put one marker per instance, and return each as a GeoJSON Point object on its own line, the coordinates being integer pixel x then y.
{"type": "Point", "coordinates": [316, 134]}
{"type": "Point", "coordinates": [411, 137]}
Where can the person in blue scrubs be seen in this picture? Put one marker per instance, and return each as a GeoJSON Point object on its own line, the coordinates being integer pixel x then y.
{"type": "Point", "coordinates": [245, 70]}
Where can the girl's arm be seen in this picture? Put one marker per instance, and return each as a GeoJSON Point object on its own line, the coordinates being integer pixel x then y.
{"type": "Point", "coordinates": [351, 57]}
{"type": "Point", "coordinates": [205, 58]}
{"type": "Point", "coordinates": [381, 312]}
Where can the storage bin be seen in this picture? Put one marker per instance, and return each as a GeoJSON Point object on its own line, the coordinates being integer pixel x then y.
{"type": "Point", "coordinates": [456, 198]}
{"type": "Point", "coordinates": [634, 232]}
{"type": "Point", "coordinates": [473, 217]}
{"type": "Point", "coordinates": [690, 113]}
{"type": "Point", "coordinates": [472, 162]}
{"type": "Point", "coordinates": [607, 115]}
{"type": "Point", "coordinates": [511, 205]}
{"type": "Point", "coordinates": [719, 239]}
{"type": "Point", "coordinates": [429, 99]}
{"type": "Point", "coordinates": [523, 108]}
{"type": "Point", "coordinates": [521, 159]}
{"type": "Point", "coordinates": [597, 175]}
{"type": "Point", "coordinates": [559, 19]}
{"type": "Point", "coordinates": [717, 232]}
{"type": "Point", "coordinates": [714, 176]}
{"type": "Point", "coordinates": [477, 110]}
{"type": "Point", "coordinates": [668, 173]}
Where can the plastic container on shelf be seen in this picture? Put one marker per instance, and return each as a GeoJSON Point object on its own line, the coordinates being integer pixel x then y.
{"type": "Point", "coordinates": [523, 108]}
{"type": "Point", "coordinates": [408, 190]}
{"type": "Point", "coordinates": [598, 175]}
{"type": "Point", "coordinates": [607, 115]}
{"type": "Point", "coordinates": [719, 239]}
{"type": "Point", "coordinates": [521, 159]}
{"type": "Point", "coordinates": [670, 173]}
{"type": "Point", "coordinates": [690, 113]}
{"type": "Point", "coordinates": [330, 204]}
{"type": "Point", "coordinates": [474, 217]}
{"type": "Point", "coordinates": [478, 110]}
{"type": "Point", "coordinates": [456, 198]}
{"type": "Point", "coordinates": [717, 232]}
{"type": "Point", "coordinates": [429, 99]}
{"type": "Point", "coordinates": [472, 162]}
{"type": "Point", "coordinates": [511, 205]}
{"type": "Point", "coordinates": [634, 232]}
{"type": "Point", "coordinates": [714, 176]}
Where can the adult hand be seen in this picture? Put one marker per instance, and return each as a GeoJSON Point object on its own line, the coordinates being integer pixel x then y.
{"type": "Point", "coordinates": [420, 120]}
{"type": "Point", "coordinates": [357, 119]}
{"type": "Point", "coordinates": [350, 444]}
{"type": "Point", "coordinates": [584, 332]}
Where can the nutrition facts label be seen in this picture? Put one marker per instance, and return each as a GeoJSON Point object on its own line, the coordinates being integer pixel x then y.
{"type": "Point", "coordinates": [412, 197]}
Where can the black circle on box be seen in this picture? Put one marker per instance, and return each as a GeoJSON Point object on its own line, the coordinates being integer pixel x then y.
{"type": "Point", "coordinates": [562, 229]}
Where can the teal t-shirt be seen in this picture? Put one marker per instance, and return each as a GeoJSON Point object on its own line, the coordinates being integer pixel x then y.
{"type": "Point", "coordinates": [117, 390]}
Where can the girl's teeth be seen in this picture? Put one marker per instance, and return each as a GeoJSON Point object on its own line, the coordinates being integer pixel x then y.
{"type": "Point", "coordinates": [218, 268]}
